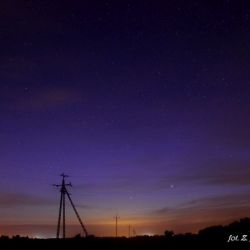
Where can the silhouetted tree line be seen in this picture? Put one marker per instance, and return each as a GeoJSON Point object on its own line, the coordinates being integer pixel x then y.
{"type": "Point", "coordinates": [219, 232]}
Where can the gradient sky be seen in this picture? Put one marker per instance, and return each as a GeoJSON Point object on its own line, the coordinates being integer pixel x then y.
{"type": "Point", "coordinates": [145, 104]}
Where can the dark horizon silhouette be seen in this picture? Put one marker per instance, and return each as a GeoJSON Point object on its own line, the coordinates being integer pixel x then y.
{"type": "Point", "coordinates": [235, 235]}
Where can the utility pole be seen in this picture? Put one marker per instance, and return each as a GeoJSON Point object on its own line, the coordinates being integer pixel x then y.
{"type": "Point", "coordinates": [116, 226]}
{"type": "Point", "coordinates": [63, 190]}
{"type": "Point", "coordinates": [129, 228]}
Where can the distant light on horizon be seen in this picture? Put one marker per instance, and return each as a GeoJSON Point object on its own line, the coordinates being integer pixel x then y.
{"type": "Point", "coordinates": [147, 234]}
{"type": "Point", "coordinates": [40, 236]}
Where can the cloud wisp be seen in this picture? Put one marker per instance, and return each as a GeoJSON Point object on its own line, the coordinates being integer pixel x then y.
{"type": "Point", "coordinates": [10, 200]}
{"type": "Point", "coordinates": [44, 99]}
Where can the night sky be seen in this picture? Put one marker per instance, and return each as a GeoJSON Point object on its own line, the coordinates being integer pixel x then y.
{"type": "Point", "coordinates": [144, 104]}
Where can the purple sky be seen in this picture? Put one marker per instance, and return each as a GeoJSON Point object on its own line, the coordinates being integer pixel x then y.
{"type": "Point", "coordinates": [145, 104]}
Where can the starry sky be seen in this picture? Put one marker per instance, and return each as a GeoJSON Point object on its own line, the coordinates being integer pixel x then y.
{"type": "Point", "coordinates": [144, 104]}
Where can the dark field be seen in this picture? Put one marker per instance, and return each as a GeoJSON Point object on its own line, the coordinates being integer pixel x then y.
{"type": "Point", "coordinates": [160, 242]}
